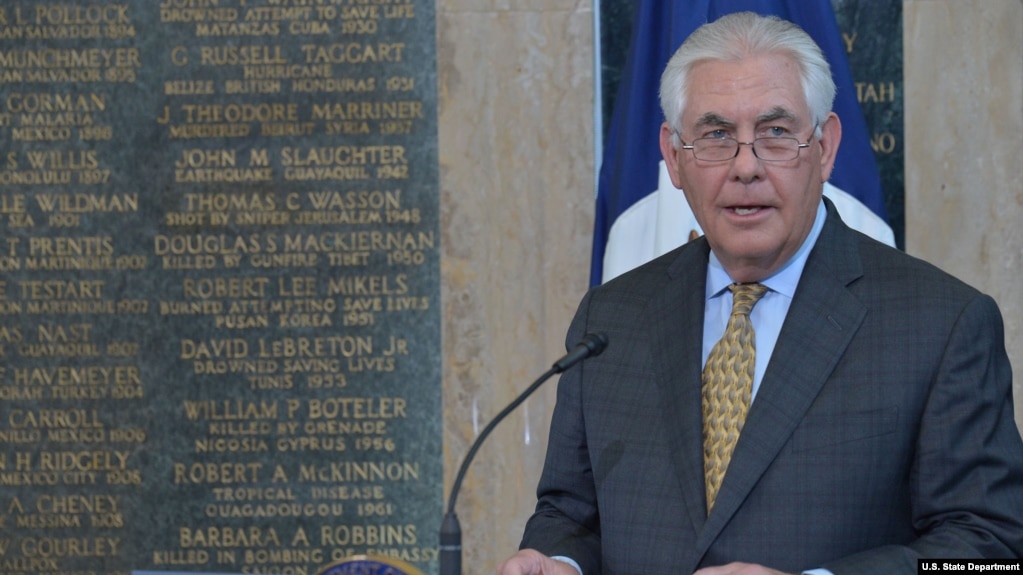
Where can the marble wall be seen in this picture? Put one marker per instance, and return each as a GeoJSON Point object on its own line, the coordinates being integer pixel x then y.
{"type": "Point", "coordinates": [516, 140]}
{"type": "Point", "coordinates": [516, 152]}
{"type": "Point", "coordinates": [963, 68]}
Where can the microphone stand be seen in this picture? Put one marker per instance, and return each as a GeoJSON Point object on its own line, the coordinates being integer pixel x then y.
{"type": "Point", "coordinates": [451, 529]}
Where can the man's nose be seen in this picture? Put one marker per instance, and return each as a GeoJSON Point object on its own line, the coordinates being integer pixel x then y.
{"type": "Point", "coordinates": [746, 164]}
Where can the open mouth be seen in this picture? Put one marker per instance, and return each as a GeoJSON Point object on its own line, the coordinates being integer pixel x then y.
{"type": "Point", "coordinates": [746, 211]}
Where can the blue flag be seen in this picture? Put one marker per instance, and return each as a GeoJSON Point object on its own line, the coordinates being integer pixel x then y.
{"type": "Point", "coordinates": [629, 170]}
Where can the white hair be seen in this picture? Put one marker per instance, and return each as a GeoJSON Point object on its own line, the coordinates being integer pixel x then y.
{"type": "Point", "coordinates": [737, 36]}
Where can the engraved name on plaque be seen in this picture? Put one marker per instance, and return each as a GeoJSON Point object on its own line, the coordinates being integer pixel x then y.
{"type": "Point", "coordinates": [219, 285]}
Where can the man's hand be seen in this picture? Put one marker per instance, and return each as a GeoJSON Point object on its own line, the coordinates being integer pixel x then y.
{"type": "Point", "coordinates": [737, 569]}
{"type": "Point", "coordinates": [530, 562]}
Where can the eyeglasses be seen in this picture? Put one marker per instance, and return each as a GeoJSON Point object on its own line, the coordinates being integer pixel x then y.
{"type": "Point", "coordinates": [767, 149]}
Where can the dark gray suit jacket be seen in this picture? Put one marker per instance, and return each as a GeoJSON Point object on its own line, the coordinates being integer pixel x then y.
{"type": "Point", "coordinates": [882, 432]}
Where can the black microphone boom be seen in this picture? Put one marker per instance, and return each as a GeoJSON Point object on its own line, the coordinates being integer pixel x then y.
{"type": "Point", "coordinates": [592, 344]}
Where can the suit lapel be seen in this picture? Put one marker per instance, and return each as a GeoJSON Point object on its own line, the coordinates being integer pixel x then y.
{"type": "Point", "coordinates": [677, 318]}
{"type": "Point", "coordinates": [821, 321]}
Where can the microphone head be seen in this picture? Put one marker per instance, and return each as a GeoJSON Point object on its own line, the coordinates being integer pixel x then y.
{"type": "Point", "coordinates": [596, 342]}
{"type": "Point", "coordinates": [590, 345]}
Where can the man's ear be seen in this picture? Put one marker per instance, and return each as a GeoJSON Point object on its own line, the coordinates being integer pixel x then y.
{"type": "Point", "coordinates": [831, 137]}
{"type": "Point", "coordinates": [670, 154]}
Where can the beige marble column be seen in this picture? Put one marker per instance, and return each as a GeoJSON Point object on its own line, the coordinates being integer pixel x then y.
{"type": "Point", "coordinates": [963, 69]}
{"type": "Point", "coordinates": [516, 139]}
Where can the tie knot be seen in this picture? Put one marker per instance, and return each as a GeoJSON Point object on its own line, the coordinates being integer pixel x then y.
{"type": "Point", "coordinates": [745, 296]}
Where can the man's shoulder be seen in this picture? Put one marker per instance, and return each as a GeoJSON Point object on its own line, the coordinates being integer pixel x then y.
{"type": "Point", "coordinates": [897, 271]}
{"type": "Point", "coordinates": [659, 287]}
{"type": "Point", "coordinates": [675, 265]}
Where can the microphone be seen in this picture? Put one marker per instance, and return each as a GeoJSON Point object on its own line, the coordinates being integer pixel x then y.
{"type": "Point", "coordinates": [591, 345]}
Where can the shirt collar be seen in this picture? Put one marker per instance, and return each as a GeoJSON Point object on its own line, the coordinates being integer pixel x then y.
{"type": "Point", "coordinates": [783, 281]}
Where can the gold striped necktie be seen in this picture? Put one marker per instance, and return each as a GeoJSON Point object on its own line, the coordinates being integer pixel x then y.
{"type": "Point", "coordinates": [728, 386]}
